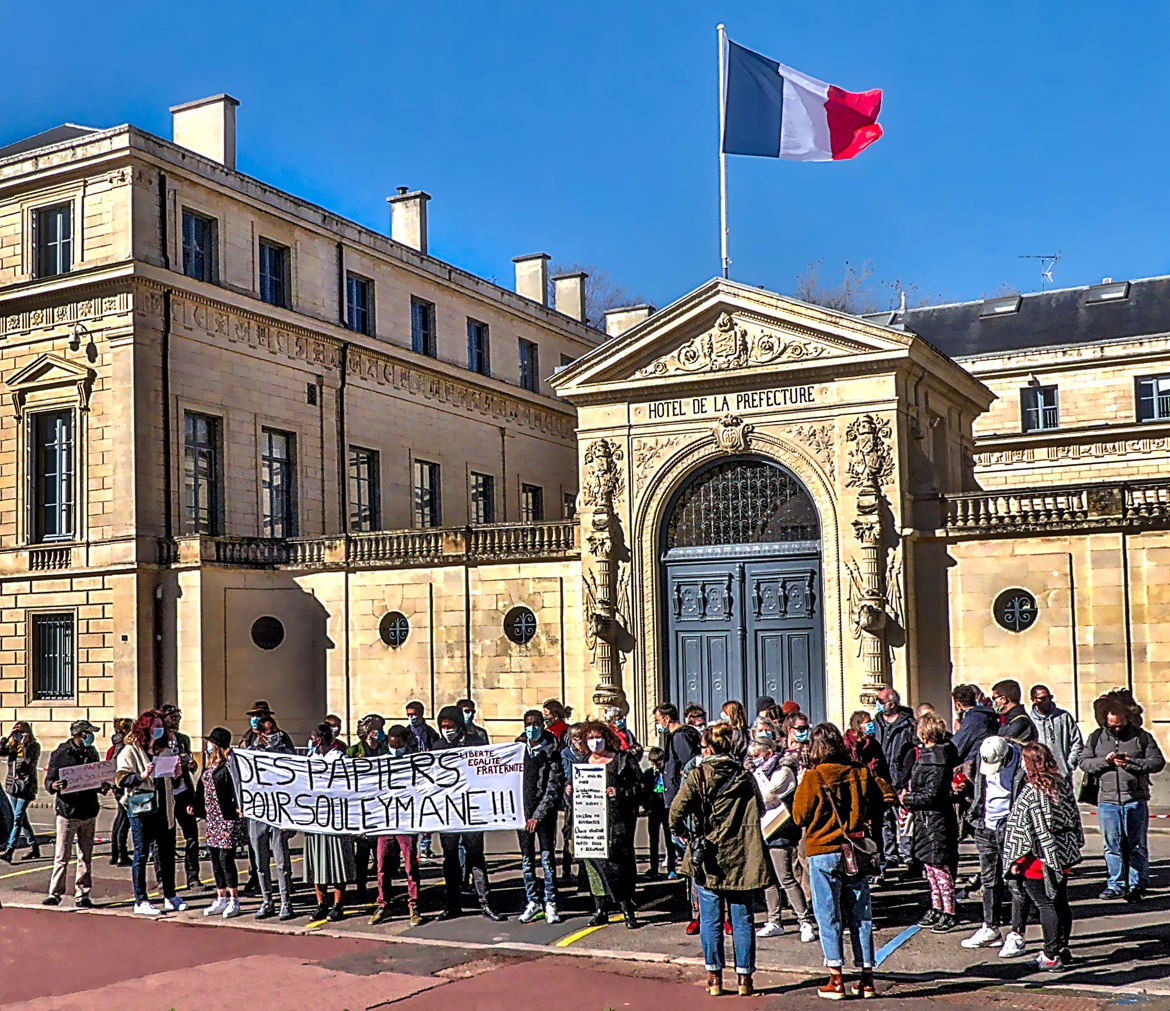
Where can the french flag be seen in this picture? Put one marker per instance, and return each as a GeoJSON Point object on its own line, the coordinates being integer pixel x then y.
{"type": "Point", "coordinates": [774, 111]}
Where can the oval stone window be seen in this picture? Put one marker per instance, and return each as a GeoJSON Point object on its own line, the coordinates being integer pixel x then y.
{"type": "Point", "coordinates": [394, 628]}
{"type": "Point", "coordinates": [267, 632]}
{"type": "Point", "coordinates": [520, 625]}
{"type": "Point", "coordinates": [1015, 610]}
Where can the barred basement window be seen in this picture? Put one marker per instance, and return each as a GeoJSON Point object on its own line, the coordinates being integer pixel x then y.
{"type": "Point", "coordinates": [267, 632]}
{"type": "Point", "coordinates": [52, 656]}
{"type": "Point", "coordinates": [1015, 610]}
{"type": "Point", "coordinates": [520, 625]}
{"type": "Point", "coordinates": [394, 628]}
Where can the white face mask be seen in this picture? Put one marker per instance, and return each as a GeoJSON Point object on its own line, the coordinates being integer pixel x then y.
{"type": "Point", "coordinates": [209, 747]}
{"type": "Point", "coordinates": [595, 744]}
{"type": "Point", "coordinates": [449, 733]}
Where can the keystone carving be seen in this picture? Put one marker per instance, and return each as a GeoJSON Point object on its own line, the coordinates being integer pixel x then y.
{"type": "Point", "coordinates": [731, 433]}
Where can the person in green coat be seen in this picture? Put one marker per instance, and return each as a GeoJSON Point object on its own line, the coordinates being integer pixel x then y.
{"type": "Point", "coordinates": [718, 808]}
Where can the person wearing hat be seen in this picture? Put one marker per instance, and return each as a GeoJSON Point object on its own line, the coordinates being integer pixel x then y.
{"type": "Point", "coordinates": [76, 815]}
{"type": "Point", "coordinates": [267, 842]}
{"type": "Point", "coordinates": [259, 708]}
{"type": "Point", "coordinates": [179, 744]}
{"type": "Point", "coordinates": [763, 704]}
{"type": "Point", "coordinates": [998, 779]}
{"type": "Point", "coordinates": [216, 803]}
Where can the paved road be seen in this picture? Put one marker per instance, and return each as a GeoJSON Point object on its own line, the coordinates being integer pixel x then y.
{"type": "Point", "coordinates": [64, 958]}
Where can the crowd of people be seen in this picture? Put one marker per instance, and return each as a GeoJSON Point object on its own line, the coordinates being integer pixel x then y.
{"type": "Point", "coordinates": [754, 810]}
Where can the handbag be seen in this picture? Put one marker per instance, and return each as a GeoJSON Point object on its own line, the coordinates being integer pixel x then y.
{"type": "Point", "coordinates": [141, 802]}
{"type": "Point", "coordinates": [1090, 791]}
{"type": "Point", "coordinates": [859, 853]}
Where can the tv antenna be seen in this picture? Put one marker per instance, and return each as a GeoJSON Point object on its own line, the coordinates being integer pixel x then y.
{"type": "Point", "coordinates": [1048, 262]}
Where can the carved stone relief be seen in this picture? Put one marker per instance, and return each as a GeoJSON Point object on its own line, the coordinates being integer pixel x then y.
{"type": "Point", "coordinates": [649, 453]}
{"type": "Point", "coordinates": [819, 439]}
{"type": "Point", "coordinates": [871, 461]}
{"type": "Point", "coordinates": [731, 433]}
{"type": "Point", "coordinates": [603, 482]}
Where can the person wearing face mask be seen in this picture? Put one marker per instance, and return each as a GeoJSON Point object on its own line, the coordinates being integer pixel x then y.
{"type": "Point", "coordinates": [216, 803]}
{"type": "Point", "coordinates": [150, 804]}
{"type": "Point", "coordinates": [120, 832]}
{"type": "Point", "coordinates": [543, 785]}
{"type": "Point", "coordinates": [556, 719]}
{"type": "Point", "coordinates": [865, 750]}
{"type": "Point", "coordinates": [616, 720]}
{"type": "Point", "coordinates": [329, 860]}
{"type": "Point", "coordinates": [23, 753]}
{"type": "Point", "coordinates": [1013, 717]}
{"type": "Point", "coordinates": [179, 744]}
{"type": "Point", "coordinates": [421, 736]}
{"type": "Point", "coordinates": [896, 735]}
{"type": "Point", "coordinates": [266, 842]}
{"type": "Point", "coordinates": [372, 743]}
{"type": "Point", "coordinates": [732, 713]}
{"type": "Point", "coordinates": [76, 815]}
{"type": "Point", "coordinates": [392, 848]}
{"type": "Point", "coordinates": [695, 716]}
{"type": "Point", "coordinates": [572, 752]}
{"type": "Point", "coordinates": [451, 734]}
{"type": "Point", "coordinates": [1056, 729]}
{"type": "Point", "coordinates": [611, 880]}
{"type": "Point", "coordinates": [475, 737]}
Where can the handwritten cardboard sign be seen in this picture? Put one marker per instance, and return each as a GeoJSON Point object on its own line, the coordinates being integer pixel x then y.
{"type": "Point", "coordinates": [590, 815]}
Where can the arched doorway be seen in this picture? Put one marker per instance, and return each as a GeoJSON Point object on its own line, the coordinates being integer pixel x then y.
{"type": "Point", "coordinates": [740, 554]}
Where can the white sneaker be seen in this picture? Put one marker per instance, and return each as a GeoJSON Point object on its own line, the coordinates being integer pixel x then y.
{"type": "Point", "coordinates": [146, 909]}
{"type": "Point", "coordinates": [217, 907]}
{"type": "Point", "coordinates": [531, 912]}
{"type": "Point", "coordinates": [175, 904]}
{"type": "Point", "coordinates": [808, 933]}
{"type": "Point", "coordinates": [770, 929]}
{"type": "Point", "coordinates": [984, 937]}
{"type": "Point", "coordinates": [233, 909]}
{"type": "Point", "coordinates": [1013, 946]}
{"type": "Point", "coordinates": [550, 913]}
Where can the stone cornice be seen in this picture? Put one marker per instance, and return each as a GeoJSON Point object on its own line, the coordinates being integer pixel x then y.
{"type": "Point", "coordinates": [1073, 444]}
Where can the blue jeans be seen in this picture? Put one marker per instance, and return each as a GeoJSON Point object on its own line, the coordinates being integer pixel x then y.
{"type": "Point", "coordinates": [20, 823]}
{"type": "Point", "coordinates": [743, 936]}
{"type": "Point", "coordinates": [145, 830]}
{"type": "Point", "coordinates": [545, 837]}
{"type": "Point", "coordinates": [1124, 828]}
{"type": "Point", "coordinates": [840, 901]}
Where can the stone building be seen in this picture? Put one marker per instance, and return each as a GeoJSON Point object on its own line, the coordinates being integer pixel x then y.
{"type": "Point", "coordinates": [257, 451]}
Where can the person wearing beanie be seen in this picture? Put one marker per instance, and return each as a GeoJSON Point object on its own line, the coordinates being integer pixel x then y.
{"type": "Point", "coordinates": [764, 703]}
{"type": "Point", "coordinates": [789, 708]}
{"type": "Point", "coordinates": [77, 813]}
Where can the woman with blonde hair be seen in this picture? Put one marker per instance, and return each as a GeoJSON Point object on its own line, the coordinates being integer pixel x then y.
{"type": "Point", "coordinates": [935, 842]}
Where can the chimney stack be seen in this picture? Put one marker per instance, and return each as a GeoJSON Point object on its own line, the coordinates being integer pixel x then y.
{"type": "Point", "coordinates": [207, 126]}
{"type": "Point", "coordinates": [408, 218]}
{"type": "Point", "coordinates": [624, 317]}
{"type": "Point", "coordinates": [569, 294]}
{"type": "Point", "coordinates": [532, 276]}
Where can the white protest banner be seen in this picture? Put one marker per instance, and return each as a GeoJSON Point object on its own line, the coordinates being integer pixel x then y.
{"type": "Point", "coordinates": [85, 777]}
{"type": "Point", "coordinates": [458, 790]}
{"type": "Point", "coordinates": [590, 821]}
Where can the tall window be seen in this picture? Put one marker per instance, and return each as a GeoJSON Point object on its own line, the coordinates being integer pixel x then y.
{"type": "Point", "coordinates": [273, 273]}
{"type": "Point", "coordinates": [478, 351]}
{"type": "Point", "coordinates": [53, 239]}
{"type": "Point", "coordinates": [569, 505]}
{"type": "Point", "coordinates": [531, 503]}
{"type": "Point", "coordinates": [427, 507]}
{"type": "Point", "coordinates": [363, 489]}
{"type": "Point", "coordinates": [198, 246]}
{"type": "Point", "coordinates": [202, 476]}
{"type": "Point", "coordinates": [52, 656]}
{"type": "Point", "coordinates": [422, 327]}
{"type": "Point", "coordinates": [1038, 408]}
{"type": "Point", "coordinates": [529, 365]}
{"type": "Point", "coordinates": [278, 483]}
{"type": "Point", "coordinates": [51, 475]}
{"type": "Point", "coordinates": [1153, 398]}
{"type": "Point", "coordinates": [359, 307]}
{"type": "Point", "coordinates": [483, 498]}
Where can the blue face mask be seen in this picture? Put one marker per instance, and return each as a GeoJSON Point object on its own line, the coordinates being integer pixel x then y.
{"type": "Point", "coordinates": [397, 752]}
{"type": "Point", "coordinates": [532, 732]}
{"type": "Point", "coordinates": [620, 723]}
{"type": "Point", "coordinates": [660, 728]}
{"type": "Point", "coordinates": [381, 736]}
{"type": "Point", "coordinates": [724, 718]}
{"type": "Point", "coordinates": [869, 728]}
{"type": "Point", "coordinates": [800, 736]}
{"type": "Point", "coordinates": [255, 721]}
{"type": "Point", "coordinates": [157, 732]}
{"type": "Point", "coordinates": [87, 740]}
{"type": "Point", "coordinates": [768, 734]}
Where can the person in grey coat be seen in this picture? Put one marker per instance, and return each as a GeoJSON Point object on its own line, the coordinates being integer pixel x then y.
{"type": "Point", "coordinates": [269, 842]}
{"type": "Point", "coordinates": [1057, 729]}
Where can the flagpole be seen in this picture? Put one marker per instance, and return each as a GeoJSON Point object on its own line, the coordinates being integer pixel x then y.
{"type": "Point", "coordinates": [721, 34]}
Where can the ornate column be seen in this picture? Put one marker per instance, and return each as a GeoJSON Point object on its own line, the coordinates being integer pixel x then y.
{"type": "Point", "coordinates": [874, 594]}
{"type": "Point", "coordinates": [603, 483]}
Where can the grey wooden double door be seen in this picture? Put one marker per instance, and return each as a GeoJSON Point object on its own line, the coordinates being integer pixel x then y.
{"type": "Point", "coordinates": [744, 619]}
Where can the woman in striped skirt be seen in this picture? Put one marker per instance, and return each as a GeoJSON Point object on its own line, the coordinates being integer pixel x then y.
{"type": "Point", "coordinates": [329, 859]}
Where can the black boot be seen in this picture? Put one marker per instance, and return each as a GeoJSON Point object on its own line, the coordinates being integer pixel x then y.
{"type": "Point", "coordinates": [6, 856]}
{"type": "Point", "coordinates": [34, 853]}
{"type": "Point", "coordinates": [628, 915]}
{"type": "Point", "coordinates": [599, 919]}
{"type": "Point", "coordinates": [491, 914]}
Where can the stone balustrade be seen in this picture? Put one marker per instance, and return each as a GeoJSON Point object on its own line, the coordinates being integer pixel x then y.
{"type": "Point", "coordinates": [499, 542]}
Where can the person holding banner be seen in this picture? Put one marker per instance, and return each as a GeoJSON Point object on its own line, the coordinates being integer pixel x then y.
{"type": "Point", "coordinates": [612, 878]}
{"type": "Point", "coordinates": [404, 843]}
{"type": "Point", "coordinates": [266, 842]}
{"type": "Point", "coordinates": [543, 783]}
{"type": "Point", "coordinates": [147, 777]}
{"type": "Point", "coordinates": [77, 812]}
{"type": "Point", "coordinates": [215, 802]}
{"type": "Point", "coordinates": [717, 812]}
{"type": "Point", "coordinates": [451, 736]}
{"type": "Point", "coordinates": [371, 743]}
{"type": "Point", "coordinates": [329, 859]}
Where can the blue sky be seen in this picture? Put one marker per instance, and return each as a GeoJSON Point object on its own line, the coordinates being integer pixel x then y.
{"type": "Point", "coordinates": [588, 130]}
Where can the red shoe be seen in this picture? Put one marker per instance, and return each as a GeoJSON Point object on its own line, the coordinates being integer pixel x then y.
{"type": "Point", "coordinates": [692, 928]}
{"type": "Point", "coordinates": [727, 927]}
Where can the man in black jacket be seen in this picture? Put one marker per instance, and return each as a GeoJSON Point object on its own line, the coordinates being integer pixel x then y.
{"type": "Point", "coordinates": [180, 745]}
{"type": "Point", "coordinates": [976, 724]}
{"type": "Point", "coordinates": [544, 782]}
{"type": "Point", "coordinates": [451, 737]}
{"type": "Point", "coordinates": [421, 737]}
{"type": "Point", "coordinates": [76, 815]}
{"type": "Point", "coordinates": [894, 732]}
{"type": "Point", "coordinates": [1016, 724]}
{"type": "Point", "coordinates": [680, 742]}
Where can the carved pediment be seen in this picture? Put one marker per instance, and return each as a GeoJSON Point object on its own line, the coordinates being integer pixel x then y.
{"type": "Point", "coordinates": [733, 344]}
{"type": "Point", "coordinates": [50, 373]}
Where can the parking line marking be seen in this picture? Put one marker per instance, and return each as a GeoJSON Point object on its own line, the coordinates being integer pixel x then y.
{"type": "Point", "coordinates": [564, 942]}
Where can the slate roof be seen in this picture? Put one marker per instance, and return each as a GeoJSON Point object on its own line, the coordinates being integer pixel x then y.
{"type": "Point", "coordinates": [46, 138]}
{"type": "Point", "coordinates": [1085, 315]}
